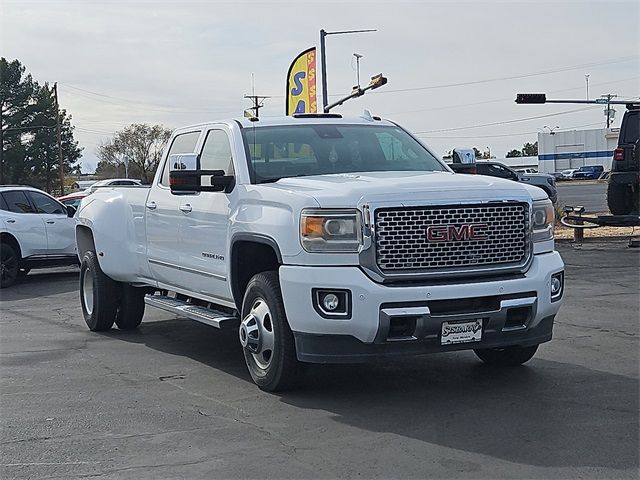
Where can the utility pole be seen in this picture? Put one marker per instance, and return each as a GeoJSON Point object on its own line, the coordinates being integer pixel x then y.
{"type": "Point", "coordinates": [609, 112]}
{"type": "Point", "coordinates": [59, 134]}
{"type": "Point", "coordinates": [258, 103]}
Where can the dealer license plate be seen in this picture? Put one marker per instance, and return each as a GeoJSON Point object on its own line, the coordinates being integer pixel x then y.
{"type": "Point", "coordinates": [461, 332]}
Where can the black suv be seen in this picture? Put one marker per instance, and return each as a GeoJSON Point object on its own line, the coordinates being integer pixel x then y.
{"type": "Point", "coordinates": [623, 194]}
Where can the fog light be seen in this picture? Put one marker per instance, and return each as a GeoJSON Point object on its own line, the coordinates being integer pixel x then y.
{"type": "Point", "coordinates": [330, 302]}
{"type": "Point", "coordinates": [557, 286]}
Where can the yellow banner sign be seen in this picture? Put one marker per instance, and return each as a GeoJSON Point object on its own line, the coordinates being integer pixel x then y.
{"type": "Point", "coordinates": [301, 84]}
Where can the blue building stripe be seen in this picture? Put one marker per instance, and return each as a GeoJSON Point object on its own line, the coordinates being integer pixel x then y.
{"type": "Point", "coordinates": [569, 155]}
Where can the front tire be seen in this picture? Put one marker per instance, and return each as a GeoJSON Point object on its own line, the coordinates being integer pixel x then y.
{"type": "Point", "coordinates": [507, 356]}
{"type": "Point", "coordinates": [268, 343]}
{"type": "Point", "coordinates": [98, 295]}
{"type": "Point", "coordinates": [9, 265]}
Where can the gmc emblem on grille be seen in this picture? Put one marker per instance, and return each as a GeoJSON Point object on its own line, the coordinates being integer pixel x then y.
{"type": "Point", "coordinates": [448, 233]}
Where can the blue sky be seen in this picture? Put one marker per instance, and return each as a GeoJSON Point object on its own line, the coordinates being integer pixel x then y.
{"type": "Point", "coordinates": [182, 62]}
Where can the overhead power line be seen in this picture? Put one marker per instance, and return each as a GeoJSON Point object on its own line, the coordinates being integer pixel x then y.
{"type": "Point", "coordinates": [513, 77]}
{"type": "Point", "coordinates": [505, 134]}
{"type": "Point", "coordinates": [510, 99]}
{"type": "Point", "coordinates": [506, 122]}
{"type": "Point", "coordinates": [30, 127]}
{"type": "Point", "coordinates": [119, 101]}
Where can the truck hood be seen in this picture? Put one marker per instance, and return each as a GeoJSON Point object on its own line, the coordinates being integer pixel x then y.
{"type": "Point", "coordinates": [351, 189]}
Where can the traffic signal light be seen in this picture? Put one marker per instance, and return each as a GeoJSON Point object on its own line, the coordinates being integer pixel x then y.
{"type": "Point", "coordinates": [531, 98]}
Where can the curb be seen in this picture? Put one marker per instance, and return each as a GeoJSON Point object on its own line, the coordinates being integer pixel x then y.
{"type": "Point", "coordinates": [598, 239]}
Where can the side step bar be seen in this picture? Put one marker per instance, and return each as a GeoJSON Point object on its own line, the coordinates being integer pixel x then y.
{"type": "Point", "coordinates": [181, 308]}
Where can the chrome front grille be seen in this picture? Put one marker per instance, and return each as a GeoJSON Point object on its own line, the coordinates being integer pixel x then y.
{"type": "Point", "coordinates": [402, 244]}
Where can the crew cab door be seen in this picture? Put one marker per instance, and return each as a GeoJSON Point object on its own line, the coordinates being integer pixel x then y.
{"type": "Point", "coordinates": [205, 223]}
{"type": "Point", "coordinates": [163, 218]}
{"type": "Point", "coordinates": [22, 222]}
{"type": "Point", "coordinates": [60, 228]}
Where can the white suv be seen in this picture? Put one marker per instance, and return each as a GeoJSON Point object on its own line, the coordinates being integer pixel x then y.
{"type": "Point", "coordinates": [35, 231]}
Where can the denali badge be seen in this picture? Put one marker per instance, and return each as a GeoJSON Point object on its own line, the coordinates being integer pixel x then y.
{"type": "Point", "coordinates": [448, 233]}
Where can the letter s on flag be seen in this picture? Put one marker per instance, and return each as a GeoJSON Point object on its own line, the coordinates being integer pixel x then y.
{"type": "Point", "coordinates": [301, 84]}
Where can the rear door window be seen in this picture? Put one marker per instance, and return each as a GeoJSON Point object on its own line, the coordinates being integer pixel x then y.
{"type": "Point", "coordinates": [17, 202]}
{"type": "Point", "coordinates": [45, 204]}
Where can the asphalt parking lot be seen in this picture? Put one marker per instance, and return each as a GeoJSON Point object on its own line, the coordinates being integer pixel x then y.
{"type": "Point", "coordinates": [590, 194]}
{"type": "Point", "coordinates": [174, 400]}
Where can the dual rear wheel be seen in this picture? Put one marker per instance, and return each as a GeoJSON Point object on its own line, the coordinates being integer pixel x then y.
{"type": "Point", "coordinates": [105, 301]}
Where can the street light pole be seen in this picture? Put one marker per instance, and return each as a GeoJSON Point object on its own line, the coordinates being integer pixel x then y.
{"type": "Point", "coordinates": [586, 77]}
{"type": "Point", "coordinates": [323, 61]}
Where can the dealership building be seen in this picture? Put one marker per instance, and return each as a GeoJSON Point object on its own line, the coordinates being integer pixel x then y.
{"type": "Point", "coordinates": [559, 151]}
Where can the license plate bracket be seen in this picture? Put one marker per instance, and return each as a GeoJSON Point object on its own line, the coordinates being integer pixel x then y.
{"type": "Point", "coordinates": [461, 331]}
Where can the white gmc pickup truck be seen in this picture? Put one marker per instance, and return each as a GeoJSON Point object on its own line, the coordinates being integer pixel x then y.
{"type": "Point", "coordinates": [323, 239]}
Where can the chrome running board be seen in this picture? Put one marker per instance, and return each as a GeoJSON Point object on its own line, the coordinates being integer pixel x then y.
{"type": "Point", "coordinates": [214, 318]}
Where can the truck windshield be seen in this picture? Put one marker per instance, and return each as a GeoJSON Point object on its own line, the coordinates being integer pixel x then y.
{"type": "Point", "coordinates": [318, 149]}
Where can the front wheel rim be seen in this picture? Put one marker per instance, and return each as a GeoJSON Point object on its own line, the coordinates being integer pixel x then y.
{"type": "Point", "coordinates": [261, 315]}
{"type": "Point", "coordinates": [87, 291]}
{"type": "Point", "coordinates": [8, 267]}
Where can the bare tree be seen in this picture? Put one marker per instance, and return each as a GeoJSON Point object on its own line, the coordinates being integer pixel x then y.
{"type": "Point", "coordinates": [139, 144]}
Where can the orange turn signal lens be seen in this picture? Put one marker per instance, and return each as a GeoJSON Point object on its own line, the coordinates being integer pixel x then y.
{"type": "Point", "coordinates": [312, 227]}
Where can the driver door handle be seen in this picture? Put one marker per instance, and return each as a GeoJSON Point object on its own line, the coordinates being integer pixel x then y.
{"type": "Point", "coordinates": [186, 208]}
{"type": "Point", "coordinates": [11, 220]}
{"type": "Point", "coordinates": [51, 222]}
{"type": "Point", "coordinates": [151, 205]}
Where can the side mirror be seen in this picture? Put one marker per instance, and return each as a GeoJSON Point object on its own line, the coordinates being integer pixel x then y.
{"type": "Point", "coordinates": [71, 211]}
{"type": "Point", "coordinates": [183, 161]}
{"type": "Point", "coordinates": [185, 176]}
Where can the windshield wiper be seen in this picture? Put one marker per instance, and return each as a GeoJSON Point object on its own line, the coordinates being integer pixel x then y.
{"type": "Point", "coordinates": [273, 180]}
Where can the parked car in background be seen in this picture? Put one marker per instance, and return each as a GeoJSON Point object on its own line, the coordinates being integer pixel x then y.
{"type": "Point", "coordinates": [588, 172]}
{"type": "Point", "coordinates": [623, 191]}
{"type": "Point", "coordinates": [112, 182]}
{"type": "Point", "coordinates": [73, 199]}
{"type": "Point", "coordinates": [527, 170]}
{"type": "Point", "coordinates": [36, 231]}
{"type": "Point", "coordinates": [496, 169]}
{"type": "Point", "coordinates": [568, 173]}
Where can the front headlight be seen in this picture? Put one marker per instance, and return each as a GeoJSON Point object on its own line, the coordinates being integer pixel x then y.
{"type": "Point", "coordinates": [330, 230]}
{"type": "Point", "coordinates": [542, 220]}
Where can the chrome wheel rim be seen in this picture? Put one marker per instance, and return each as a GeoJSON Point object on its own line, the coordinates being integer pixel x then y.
{"type": "Point", "coordinates": [87, 291]}
{"type": "Point", "coordinates": [256, 334]}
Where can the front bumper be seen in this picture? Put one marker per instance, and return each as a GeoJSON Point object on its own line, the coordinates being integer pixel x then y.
{"type": "Point", "coordinates": [365, 334]}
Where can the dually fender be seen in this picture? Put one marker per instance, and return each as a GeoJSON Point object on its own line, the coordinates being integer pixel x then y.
{"type": "Point", "coordinates": [117, 225]}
